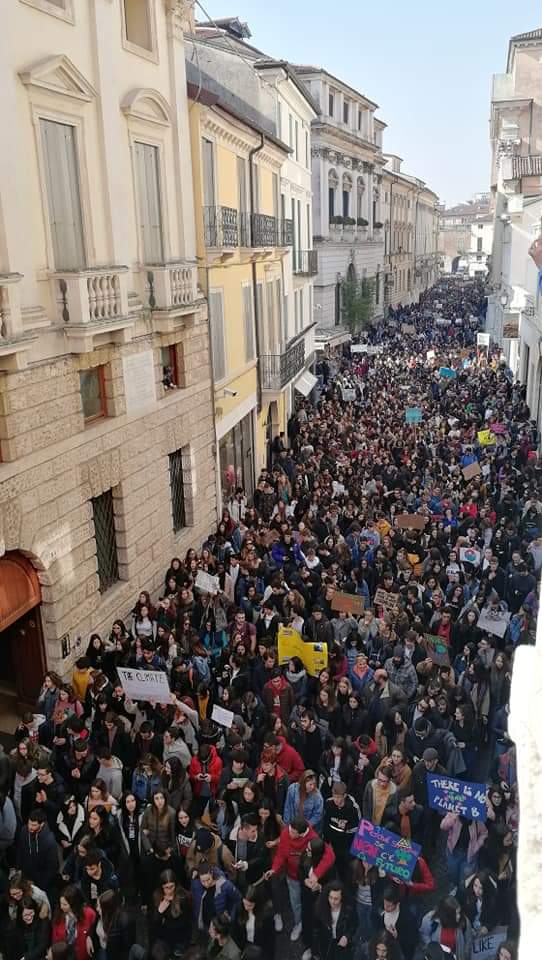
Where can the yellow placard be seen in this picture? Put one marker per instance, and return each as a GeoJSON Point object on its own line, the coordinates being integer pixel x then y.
{"type": "Point", "coordinates": [486, 438]}
{"type": "Point", "coordinates": [312, 655]}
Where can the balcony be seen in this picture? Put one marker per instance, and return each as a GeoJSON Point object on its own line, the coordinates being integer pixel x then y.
{"type": "Point", "coordinates": [276, 370]}
{"type": "Point", "coordinates": [171, 292]}
{"type": "Point", "coordinates": [305, 263]}
{"type": "Point", "coordinates": [220, 227]}
{"type": "Point", "coordinates": [92, 306]}
{"type": "Point", "coordinates": [14, 341]}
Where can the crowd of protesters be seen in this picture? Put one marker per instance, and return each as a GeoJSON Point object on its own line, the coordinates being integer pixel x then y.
{"type": "Point", "coordinates": [132, 830]}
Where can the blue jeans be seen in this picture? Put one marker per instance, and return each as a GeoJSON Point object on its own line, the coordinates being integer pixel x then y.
{"type": "Point", "coordinates": [458, 867]}
{"type": "Point", "coordinates": [294, 893]}
{"type": "Point", "coordinates": [364, 913]}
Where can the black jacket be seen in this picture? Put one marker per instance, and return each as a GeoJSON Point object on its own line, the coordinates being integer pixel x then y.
{"type": "Point", "coordinates": [37, 857]}
{"type": "Point", "coordinates": [346, 927]}
{"type": "Point", "coordinates": [30, 943]}
{"type": "Point", "coordinates": [418, 782]}
{"type": "Point", "coordinates": [55, 793]}
{"type": "Point", "coordinates": [264, 933]}
{"type": "Point", "coordinates": [339, 836]}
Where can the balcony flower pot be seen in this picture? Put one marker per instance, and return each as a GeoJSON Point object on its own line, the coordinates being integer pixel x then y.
{"type": "Point", "coordinates": [377, 225]}
{"type": "Point", "coordinates": [362, 222]}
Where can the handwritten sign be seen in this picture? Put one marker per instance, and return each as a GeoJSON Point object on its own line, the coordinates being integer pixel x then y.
{"type": "Point", "coordinates": [312, 655]}
{"type": "Point", "coordinates": [482, 339]}
{"type": "Point", "coordinates": [447, 795]}
{"type": "Point", "coordinates": [494, 620]}
{"type": "Point", "coordinates": [470, 555]}
{"type": "Point", "coordinates": [206, 583]}
{"type": "Point", "coordinates": [410, 521]}
{"type": "Point", "coordinates": [486, 438]}
{"type": "Point", "coordinates": [486, 948]}
{"type": "Point", "coordinates": [395, 855]}
{"type": "Point", "coordinates": [348, 394]}
{"type": "Point", "coordinates": [347, 603]}
{"type": "Point", "coordinates": [389, 601]}
{"type": "Point", "coordinates": [437, 650]}
{"type": "Point", "coordinates": [221, 716]}
{"type": "Point", "coordinates": [430, 355]}
{"type": "Point", "coordinates": [497, 428]}
{"type": "Point", "coordinates": [145, 684]}
{"type": "Point", "coordinates": [471, 471]}
{"type": "Point", "coordinates": [413, 415]}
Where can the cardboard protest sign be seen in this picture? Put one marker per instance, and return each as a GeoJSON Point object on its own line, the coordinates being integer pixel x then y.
{"type": "Point", "coordinates": [448, 795]}
{"type": "Point", "coordinates": [145, 684]}
{"type": "Point", "coordinates": [486, 947]}
{"type": "Point", "coordinates": [221, 716]}
{"type": "Point", "coordinates": [389, 601]}
{"type": "Point", "coordinates": [410, 521]}
{"type": "Point", "coordinates": [494, 621]}
{"type": "Point", "coordinates": [395, 855]}
{"type": "Point", "coordinates": [312, 655]}
{"type": "Point", "coordinates": [437, 650]}
{"type": "Point", "coordinates": [482, 339]}
{"type": "Point", "coordinates": [347, 603]}
{"type": "Point", "coordinates": [446, 373]}
{"type": "Point", "coordinates": [470, 555]}
{"type": "Point", "coordinates": [471, 471]}
{"type": "Point", "coordinates": [413, 415]}
{"type": "Point", "coordinates": [486, 438]}
{"type": "Point", "coordinates": [206, 583]}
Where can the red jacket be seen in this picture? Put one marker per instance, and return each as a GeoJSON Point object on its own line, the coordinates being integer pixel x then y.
{"type": "Point", "coordinates": [213, 767]}
{"type": "Point", "coordinates": [84, 927]}
{"type": "Point", "coordinates": [425, 884]}
{"type": "Point", "coordinates": [290, 851]}
{"type": "Point", "coordinates": [290, 761]}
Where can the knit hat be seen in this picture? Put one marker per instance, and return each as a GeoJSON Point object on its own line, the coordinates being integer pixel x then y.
{"type": "Point", "coordinates": [204, 839]}
{"type": "Point", "coordinates": [430, 754]}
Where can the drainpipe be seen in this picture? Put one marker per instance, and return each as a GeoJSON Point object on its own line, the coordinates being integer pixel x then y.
{"type": "Point", "coordinates": [257, 319]}
{"type": "Point", "coordinates": [390, 234]}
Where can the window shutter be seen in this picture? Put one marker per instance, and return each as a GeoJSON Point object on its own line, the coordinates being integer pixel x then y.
{"type": "Point", "coordinates": [261, 318]}
{"type": "Point", "coordinates": [249, 323]}
{"type": "Point", "coordinates": [63, 196]}
{"type": "Point", "coordinates": [216, 311]}
{"type": "Point", "coordinates": [208, 173]}
{"type": "Point", "coordinates": [242, 183]}
{"type": "Point", "coordinates": [282, 336]}
{"type": "Point", "coordinates": [148, 192]}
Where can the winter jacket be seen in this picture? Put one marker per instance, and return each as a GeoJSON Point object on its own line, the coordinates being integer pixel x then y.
{"type": "Point", "coordinates": [285, 696]}
{"type": "Point", "coordinates": [290, 850]}
{"type": "Point", "coordinates": [290, 761]}
{"type": "Point", "coordinates": [37, 856]}
{"type": "Point", "coordinates": [8, 824]}
{"type": "Point", "coordinates": [70, 833]}
{"type": "Point", "coordinates": [226, 897]}
{"type": "Point", "coordinates": [340, 823]}
{"type": "Point", "coordinates": [328, 945]}
{"type": "Point", "coordinates": [83, 929]}
{"type": "Point", "coordinates": [219, 855]}
{"type": "Point", "coordinates": [213, 767]}
{"type": "Point", "coordinates": [143, 786]}
{"type": "Point", "coordinates": [28, 943]}
{"type": "Point", "coordinates": [451, 824]}
{"type": "Point", "coordinates": [431, 929]}
{"type": "Point", "coordinates": [312, 808]}
{"type": "Point", "coordinates": [158, 830]}
{"type": "Point", "coordinates": [369, 800]}
{"type": "Point", "coordinates": [404, 676]}
{"type": "Point", "coordinates": [112, 777]}
{"type": "Point", "coordinates": [54, 792]}
{"type": "Point", "coordinates": [92, 889]}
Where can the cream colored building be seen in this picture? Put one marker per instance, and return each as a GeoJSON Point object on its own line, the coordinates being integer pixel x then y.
{"type": "Point", "coordinates": [106, 414]}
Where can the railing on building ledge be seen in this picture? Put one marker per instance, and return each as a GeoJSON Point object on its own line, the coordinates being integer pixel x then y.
{"type": "Point", "coordinates": [14, 340]}
{"type": "Point", "coordinates": [220, 227]}
{"type": "Point", "coordinates": [276, 370]}
{"type": "Point", "coordinates": [172, 285]}
{"type": "Point", "coordinates": [92, 302]}
{"type": "Point", "coordinates": [305, 262]}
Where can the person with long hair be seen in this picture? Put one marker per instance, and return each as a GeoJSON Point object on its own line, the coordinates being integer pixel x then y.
{"type": "Point", "coordinates": [253, 924]}
{"type": "Point", "coordinates": [73, 922]}
{"type": "Point", "coordinates": [20, 888]}
{"type": "Point", "coordinates": [311, 888]}
{"type": "Point", "coordinates": [158, 823]}
{"type": "Point", "coordinates": [479, 900]}
{"type": "Point", "coordinates": [99, 796]}
{"type": "Point", "coordinates": [70, 824]}
{"type": "Point", "coordinates": [170, 921]}
{"type": "Point", "coordinates": [114, 931]}
{"type": "Point", "coordinates": [29, 938]}
{"type": "Point", "coordinates": [129, 817]}
{"type": "Point", "coordinates": [305, 800]}
{"type": "Point", "coordinates": [384, 947]}
{"type": "Point", "coordinates": [102, 827]}
{"type": "Point", "coordinates": [448, 926]}
{"type": "Point", "coordinates": [335, 923]}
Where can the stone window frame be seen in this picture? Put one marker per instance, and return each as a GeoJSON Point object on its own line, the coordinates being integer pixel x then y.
{"type": "Point", "coordinates": [134, 48]}
{"type": "Point", "coordinates": [64, 13]}
{"type": "Point", "coordinates": [138, 132]}
{"type": "Point", "coordinates": [189, 485]}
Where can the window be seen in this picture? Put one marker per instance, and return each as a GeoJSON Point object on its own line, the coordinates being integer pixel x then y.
{"type": "Point", "coordinates": [346, 111]}
{"type": "Point", "coordinates": [92, 389]}
{"type": "Point", "coordinates": [208, 166]}
{"type": "Point", "coordinates": [272, 317]}
{"type": "Point", "coordinates": [479, 242]}
{"type": "Point", "coordinates": [279, 119]}
{"type": "Point", "coordinates": [332, 201]}
{"type": "Point", "coordinates": [346, 203]}
{"type": "Point", "coordinates": [176, 485]}
{"type": "Point", "coordinates": [281, 336]}
{"type": "Point", "coordinates": [137, 23]}
{"type": "Point", "coordinates": [149, 205]}
{"type": "Point", "coordinates": [170, 367]}
{"type": "Point", "coordinates": [301, 311]}
{"type": "Point", "coordinates": [307, 154]}
{"type": "Point", "coordinates": [360, 119]}
{"type": "Point", "coordinates": [58, 8]}
{"type": "Point", "coordinates": [63, 195]}
{"type": "Point", "coordinates": [106, 541]}
{"type": "Point", "coordinates": [248, 319]}
{"type": "Point", "coordinates": [260, 319]}
{"type": "Point", "coordinates": [331, 105]}
{"type": "Point", "coordinates": [291, 132]}
{"type": "Point", "coordinates": [216, 320]}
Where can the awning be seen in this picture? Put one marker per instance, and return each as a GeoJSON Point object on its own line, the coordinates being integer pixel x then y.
{"type": "Point", "coordinates": [306, 383]}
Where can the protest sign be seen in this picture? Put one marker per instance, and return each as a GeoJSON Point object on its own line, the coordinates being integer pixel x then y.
{"type": "Point", "coordinates": [368, 348]}
{"type": "Point", "coordinates": [482, 339]}
{"type": "Point", "coordinates": [441, 322]}
{"type": "Point", "coordinates": [486, 947]}
{"type": "Point", "coordinates": [221, 716]}
{"type": "Point", "coordinates": [206, 583]}
{"type": "Point", "coordinates": [497, 428]}
{"type": "Point", "coordinates": [389, 601]}
{"type": "Point", "coordinates": [395, 855]}
{"type": "Point", "coordinates": [494, 621]}
{"type": "Point", "coordinates": [446, 373]}
{"type": "Point", "coordinates": [348, 394]}
{"type": "Point", "coordinates": [312, 655]}
{"type": "Point", "coordinates": [448, 795]}
{"type": "Point", "coordinates": [410, 521]}
{"type": "Point", "coordinates": [145, 684]}
{"type": "Point", "coordinates": [430, 355]}
{"type": "Point", "coordinates": [413, 415]}
{"type": "Point", "coordinates": [486, 470]}
{"type": "Point", "coordinates": [470, 555]}
{"type": "Point", "coordinates": [471, 470]}
{"type": "Point", "coordinates": [486, 438]}
{"type": "Point", "coordinates": [437, 650]}
{"type": "Point", "coordinates": [347, 603]}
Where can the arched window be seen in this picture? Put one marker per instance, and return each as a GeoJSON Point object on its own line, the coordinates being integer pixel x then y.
{"type": "Point", "coordinates": [333, 183]}
{"type": "Point", "coordinates": [360, 190]}
{"type": "Point", "coordinates": [347, 189]}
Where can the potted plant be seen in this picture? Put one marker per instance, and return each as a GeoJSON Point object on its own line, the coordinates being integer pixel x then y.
{"type": "Point", "coordinates": [349, 221]}
{"type": "Point", "coordinates": [362, 222]}
{"type": "Point", "coordinates": [336, 221]}
{"type": "Point", "coordinates": [377, 225]}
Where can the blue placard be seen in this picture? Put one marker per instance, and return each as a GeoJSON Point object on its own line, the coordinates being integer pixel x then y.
{"type": "Point", "coordinates": [395, 855]}
{"type": "Point", "coordinates": [413, 415]}
{"type": "Point", "coordinates": [447, 373]}
{"type": "Point", "coordinates": [448, 795]}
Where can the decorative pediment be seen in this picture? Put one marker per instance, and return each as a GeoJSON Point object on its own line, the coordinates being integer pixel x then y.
{"type": "Point", "coordinates": [147, 104]}
{"type": "Point", "coordinates": [59, 75]}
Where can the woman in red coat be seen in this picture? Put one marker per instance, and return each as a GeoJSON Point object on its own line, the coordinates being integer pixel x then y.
{"type": "Point", "coordinates": [73, 922]}
{"type": "Point", "coordinates": [204, 773]}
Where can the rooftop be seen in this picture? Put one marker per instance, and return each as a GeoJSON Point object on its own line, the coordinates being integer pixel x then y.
{"type": "Point", "coordinates": [304, 69]}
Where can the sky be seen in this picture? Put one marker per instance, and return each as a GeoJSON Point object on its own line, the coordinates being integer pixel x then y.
{"type": "Point", "coordinates": [426, 63]}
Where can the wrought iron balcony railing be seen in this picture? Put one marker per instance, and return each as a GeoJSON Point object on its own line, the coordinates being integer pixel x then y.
{"type": "Point", "coordinates": [278, 369]}
{"type": "Point", "coordinates": [305, 262]}
{"type": "Point", "coordinates": [220, 227]}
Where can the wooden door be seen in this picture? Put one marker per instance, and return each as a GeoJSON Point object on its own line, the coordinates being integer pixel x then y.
{"type": "Point", "coordinates": [27, 651]}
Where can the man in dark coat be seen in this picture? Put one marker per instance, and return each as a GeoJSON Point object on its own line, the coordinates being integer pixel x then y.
{"type": "Point", "coordinates": [37, 852]}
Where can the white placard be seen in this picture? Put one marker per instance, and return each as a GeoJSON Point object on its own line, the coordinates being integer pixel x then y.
{"type": "Point", "coordinates": [145, 684]}
{"type": "Point", "coordinates": [368, 348]}
{"type": "Point", "coordinates": [482, 339]}
{"type": "Point", "coordinates": [430, 355]}
{"type": "Point", "coordinates": [222, 717]}
{"type": "Point", "coordinates": [348, 394]}
{"type": "Point", "coordinates": [486, 948]}
{"type": "Point", "coordinates": [470, 555]}
{"type": "Point", "coordinates": [139, 384]}
{"type": "Point", "coordinates": [206, 583]}
{"type": "Point", "coordinates": [441, 322]}
{"type": "Point", "coordinates": [494, 621]}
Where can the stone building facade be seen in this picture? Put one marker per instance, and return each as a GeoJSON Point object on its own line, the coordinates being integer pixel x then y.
{"type": "Point", "coordinates": [106, 413]}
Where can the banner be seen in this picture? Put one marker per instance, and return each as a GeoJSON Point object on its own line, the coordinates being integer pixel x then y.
{"type": "Point", "coordinates": [470, 555]}
{"type": "Point", "coordinates": [447, 795]}
{"type": "Point", "coordinates": [395, 855]}
{"type": "Point", "coordinates": [347, 603]}
{"type": "Point", "coordinates": [312, 655]}
{"type": "Point", "coordinates": [389, 601]}
{"type": "Point", "coordinates": [437, 650]}
{"type": "Point", "coordinates": [145, 684]}
{"type": "Point", "coordinates": [348, 394]}
{"type": "Point", "coordinates": [368, 348]}
{"type": "Point", "coordinates": [486, 948]}
{"type": "Point", "coordinates": [413, 415]}
{"type": "Point", "coordinates": [410, 521]}
{"type": "Point", "coordinates": [471, 471]}
{"type": "Point", "coordinates": [206, 583]}
{"type": "Point", "coordinates": [494, 621]}
{"type": "Point", "coordinates": [486, 438]}
{"type": "Point", "coordinates": [446, 373]}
